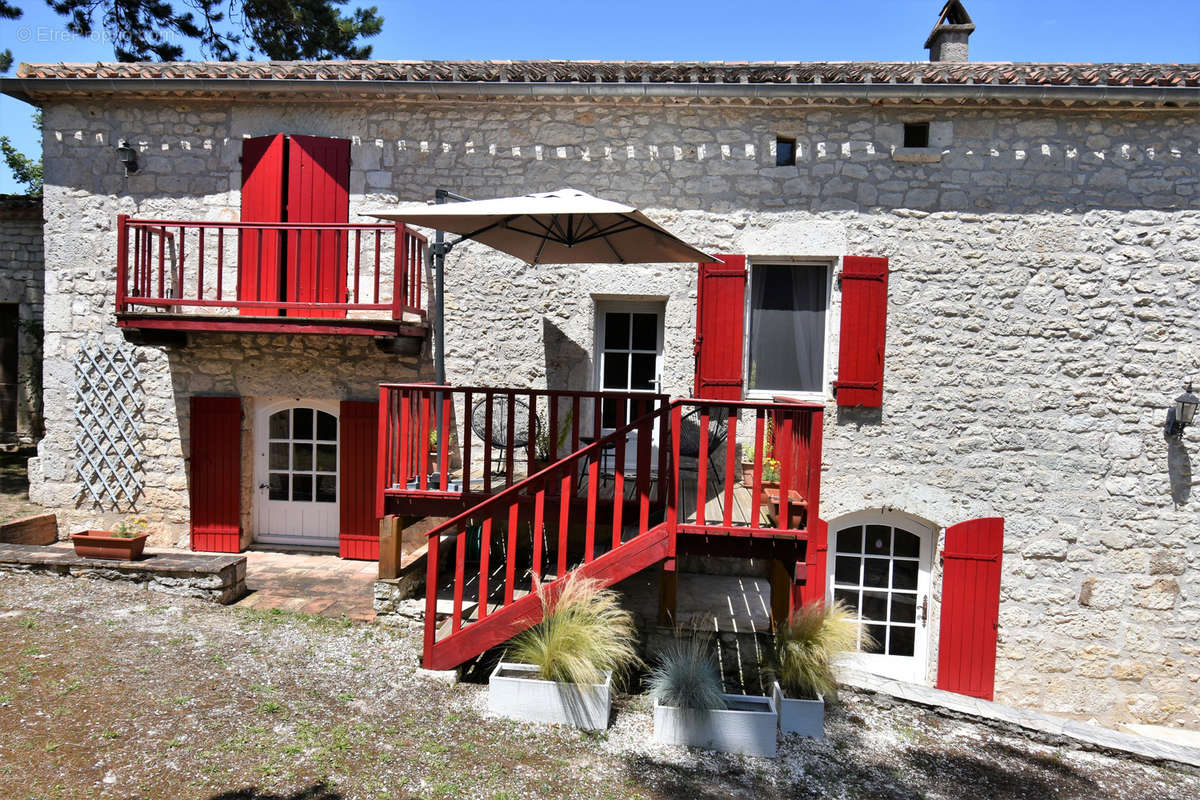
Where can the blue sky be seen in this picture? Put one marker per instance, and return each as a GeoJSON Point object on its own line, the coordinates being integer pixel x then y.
{"type": "Point", "coordinates": [707, 30]}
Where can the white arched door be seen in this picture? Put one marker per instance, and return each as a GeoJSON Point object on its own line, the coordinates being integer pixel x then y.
{"type": "Point", "coordinates": [879, 567]}
{"type": "Point", "coordinates": [296, 473]}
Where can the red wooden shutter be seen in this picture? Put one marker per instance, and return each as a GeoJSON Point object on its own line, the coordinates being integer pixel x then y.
{"type": "Point", "coordinates": [970, 607]}
{"type": "Point", "coordinates": [864, 327]}
{"type": "Point", "coordinates": [359, 441]}
{"type": "Point", "coordinates": [318, 190]}
{"type": "Point", "coordinates": [262, 201]}
{"type": "Point", "coordinates": [720, 312]}
{"type": "Point", "coordinates": [216, 473]}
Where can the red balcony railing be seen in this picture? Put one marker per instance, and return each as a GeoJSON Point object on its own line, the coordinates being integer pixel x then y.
{"type": "Point", "coordinates": [606, 508]}
{"type": "Point", "coordinates": [302, 270]}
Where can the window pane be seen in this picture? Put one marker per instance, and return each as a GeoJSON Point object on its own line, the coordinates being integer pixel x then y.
{"type": "Point", "coordinates": [904, 574]}
{"type": "Point", "coordinates": [616, 366]}
{"type": "Point", "coordinates": [907, 544]}
{"type": "Point", "coordinates": [302, 456]}
{"type": "Point", "coordinates": [326, 488]}
{"type": "Point", "coordinates": [326, 426]}
{"type": "Point", "coordinates": [848, 598]}
{"type": "Point", "coordinates": [879, 540]}
{"type": "Point", "coordinates": [874, 605]}
{"type": "Point", "coordinates": [302, 487]}
{"type": "Point", "coordinates": [904, 607]}
{"type": "Point", "coordinates": [879, 634]}
{"type": "Point", "coordinates": [327, 457]}
{"type": "Point", "coordinates": [901, 642]}
{"type": "Point", "coordinates": [787, 327]}
{"type": "Point", "coordinates": [849, 540]}
{"type": "Point", "coordinates": [278, 425]}
{"type": "Point", "coordinates": [642, 372]}
{"type": "Point", "coordinates": [875, 572]}
{"type": "Point", "coordinates": [846, 570]}
{"type": "Point", "coordinates": [616, 331]}
{"type": "Point", "coordinates": [302, 423]}
{"type": "Point", "coordinates": [645, 331]}
{"type": "Point", "coordinates": [277, 455]}
{"type": "Point", "coordinates": [279, 486]}
{"type": "Point", "coordinates": [608, 413]}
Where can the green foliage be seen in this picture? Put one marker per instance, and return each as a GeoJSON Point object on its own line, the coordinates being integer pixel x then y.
{"type": "Point", "coordinates": [24, 169]}
{"type": "Point", "coordinates": [281, 30]}
{"type": "Point", "coordinates": [584, 633]}
{"type": "Point", "coordinates": [801, 658]}
{"type": "Point", "coordinates": [127, 529]}
{"type": "Point", "coordinates": [542, 438]}
{"type": "Point", "coordinates": [686, 674]}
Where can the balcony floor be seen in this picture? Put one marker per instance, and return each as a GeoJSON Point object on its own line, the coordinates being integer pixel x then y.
{"type": "Point", "coordinates": [229, 323]}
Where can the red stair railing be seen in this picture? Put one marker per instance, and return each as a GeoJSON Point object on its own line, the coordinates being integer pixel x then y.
{"type": "Point", "coordinates": [531, 522]}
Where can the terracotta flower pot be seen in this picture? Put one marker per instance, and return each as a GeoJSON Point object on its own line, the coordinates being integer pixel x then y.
{"type": "Point", "coordinates": [103, 544]}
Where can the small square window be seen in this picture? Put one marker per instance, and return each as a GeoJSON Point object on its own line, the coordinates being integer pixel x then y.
{"type": "Point", "coordinates": [785, 151]}
{"type": "Point", "coordinates": [916, 134]}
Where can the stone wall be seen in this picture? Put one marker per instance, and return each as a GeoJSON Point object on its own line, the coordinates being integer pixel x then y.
{"type": "Point", "coordinates": [21, 282]}
{"type": "Point", "coordinates": [1041, 317]}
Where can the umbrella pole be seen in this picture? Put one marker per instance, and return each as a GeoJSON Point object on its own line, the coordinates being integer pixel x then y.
{"type": "Point", "coordinates": [439, 250]}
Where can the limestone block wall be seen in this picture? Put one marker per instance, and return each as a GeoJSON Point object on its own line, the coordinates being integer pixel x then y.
{"type": "Point", "coordinates": [1044, 271]}
{"type": "Point", "coordinates": [21, 282]}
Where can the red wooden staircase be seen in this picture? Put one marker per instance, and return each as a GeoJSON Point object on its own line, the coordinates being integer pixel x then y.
{"type": "Point", "coordinates": [609, 509]}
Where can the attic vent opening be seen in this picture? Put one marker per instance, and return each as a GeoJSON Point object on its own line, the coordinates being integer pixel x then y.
{"type": "Point", "coordinates": [916, 134]}
{"type": "Point", "coordinates": [785, 151]}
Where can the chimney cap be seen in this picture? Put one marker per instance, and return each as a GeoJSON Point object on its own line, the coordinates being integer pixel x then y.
{"type": "Point", "coordinates": [954, 18]}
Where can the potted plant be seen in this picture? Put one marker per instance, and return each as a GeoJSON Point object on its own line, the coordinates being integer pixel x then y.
{"type": "Point", "coordinates": [691, 708]}
{"type": "Point", "coordinates": [542, 439]}
{"type": "Point", "coordinates": [561, 670]}
{"type": "Point", "coordinates": [123, 544]}
{"type": "Point", "coordinates": [748, 466]}
{"type": "Point", "coordinates": [801, 662]}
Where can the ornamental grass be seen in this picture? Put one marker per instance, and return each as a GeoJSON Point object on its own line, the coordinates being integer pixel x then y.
{"type": "Point", "coordinates": [583, 635]}
{"type": "Point", "coordinates": [804, 650]}
{"type": "Point", "coordinates": [686, 674]}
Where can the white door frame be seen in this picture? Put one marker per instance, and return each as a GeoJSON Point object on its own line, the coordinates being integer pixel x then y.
{"type": "Point", "coordinates": [313, 524]}
{"type": "Point", "coordinates": [906, 668]}
{"type": "Point", "coordinates": [617, 306]}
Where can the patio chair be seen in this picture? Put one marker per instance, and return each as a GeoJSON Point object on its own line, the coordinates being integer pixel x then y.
{"type": "Point", "coordinates": [499, 432]}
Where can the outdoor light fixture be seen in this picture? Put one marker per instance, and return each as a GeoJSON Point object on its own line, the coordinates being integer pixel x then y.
{"type": "Point", "coordinates": [1180, 414]}
{"type": "Point", "coordinates": [128, 157]}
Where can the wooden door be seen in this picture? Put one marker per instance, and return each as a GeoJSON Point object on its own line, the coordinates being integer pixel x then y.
{"type": "Point", "coordinates": [260, 252]}
{"type": "Point", "coordinates": [318, 190]}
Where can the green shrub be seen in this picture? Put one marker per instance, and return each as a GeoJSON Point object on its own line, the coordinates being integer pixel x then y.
{"type": "Point", "coordinates": [804, 650]}
{"type": "Point", "coordinates": [686, 675]}
{"type": "Point", "coordinates": [584, 633]}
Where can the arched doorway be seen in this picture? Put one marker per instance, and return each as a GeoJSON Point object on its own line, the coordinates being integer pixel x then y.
{"type": "Point", "coordinates": [297, 486]}
{"type": "Point", "coordinates": [879, 567]}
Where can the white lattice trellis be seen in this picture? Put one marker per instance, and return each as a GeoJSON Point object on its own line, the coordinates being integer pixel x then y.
{"type": "Point", "coordinates": [108, 414]}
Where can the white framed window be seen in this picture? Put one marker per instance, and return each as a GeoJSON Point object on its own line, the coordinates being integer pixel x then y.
{"type": "Point", "coordinates": [787, 328]}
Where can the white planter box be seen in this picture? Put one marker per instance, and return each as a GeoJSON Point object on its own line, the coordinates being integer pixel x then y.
{"type": "Point", "coordinates": [749, 726]}
{"type": "Point", "coordinates": [514, 691]}
{"type": "Point", "coordinates": [805, 717]}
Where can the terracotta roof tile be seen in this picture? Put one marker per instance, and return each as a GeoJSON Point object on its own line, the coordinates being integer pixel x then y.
{"type": "Point", "coordinates": [835, 72]}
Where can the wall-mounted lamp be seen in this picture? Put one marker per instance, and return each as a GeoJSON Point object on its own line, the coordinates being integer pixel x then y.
{"type": "Point", "coordinates": [1181, 412]}
{"type": "Point", "coordinates": [128, 157]}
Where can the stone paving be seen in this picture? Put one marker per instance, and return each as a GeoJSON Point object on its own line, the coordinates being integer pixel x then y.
{"type": "Point", "coordinates": [310, 583]}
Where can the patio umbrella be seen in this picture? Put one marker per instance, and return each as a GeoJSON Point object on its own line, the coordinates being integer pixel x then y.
{"type": "Point", "coordinates": [562, 227]}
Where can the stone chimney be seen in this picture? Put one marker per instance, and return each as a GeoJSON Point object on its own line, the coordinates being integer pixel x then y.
{"type": "Point", "coordinates": [948, 39]}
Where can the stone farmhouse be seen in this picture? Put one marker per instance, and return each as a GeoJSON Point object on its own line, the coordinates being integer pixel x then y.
{"type": "Point", "coordinates": [950, 306]}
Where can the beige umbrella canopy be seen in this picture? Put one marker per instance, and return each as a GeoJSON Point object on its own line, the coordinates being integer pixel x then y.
{"type": "Point", "coordinates": [561, 227]}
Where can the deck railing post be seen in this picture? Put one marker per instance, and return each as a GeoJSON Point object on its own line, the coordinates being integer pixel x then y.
{"type": "Point", "coordinates": [400, 259]}
{"type": "Point", "coordinates": [817, 428]}
{"type": "Point", "coordinates": [383, 465]}
{"type": "Point", "coordinates": [122, 259]}
{"type": "Point", "coordinates": [431, 587]}
{"type": "Point", "coordinates": [673, 488]}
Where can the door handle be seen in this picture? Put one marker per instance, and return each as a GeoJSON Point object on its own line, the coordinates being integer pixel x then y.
{"type": "Point", "coordinates": [262, 486]}
{"type": "Point", "coordinates": [924, 608]}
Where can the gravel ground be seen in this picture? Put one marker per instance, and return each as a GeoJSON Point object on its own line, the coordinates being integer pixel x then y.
{"type": "Point", "coordinates": [110, 691]}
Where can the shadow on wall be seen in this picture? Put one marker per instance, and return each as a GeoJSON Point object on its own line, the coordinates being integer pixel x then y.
{"type": "Point", "coordinates": [1179, 468]}
{"type": "Point", "coordinates": [567, 364]}
{"type": "Point", "coordinates": [856, 415]}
